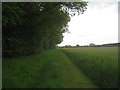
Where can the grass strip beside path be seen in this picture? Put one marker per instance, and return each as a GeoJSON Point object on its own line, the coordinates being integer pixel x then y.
{"type": "Point", "coordinates": [50, 69]}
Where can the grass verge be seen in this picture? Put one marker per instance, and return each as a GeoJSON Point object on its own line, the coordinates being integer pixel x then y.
{"type": "Point", "coordinates": [50, 69]}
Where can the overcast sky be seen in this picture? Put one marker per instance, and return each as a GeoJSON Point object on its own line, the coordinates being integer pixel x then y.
{"type": "Point", "coordinates": [98, 24]}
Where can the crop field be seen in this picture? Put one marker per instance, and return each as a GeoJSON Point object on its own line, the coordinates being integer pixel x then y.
{"type": "Point", "coordinates": [99, 64]}
{"type": "Point", "coordinates": [63, 68]}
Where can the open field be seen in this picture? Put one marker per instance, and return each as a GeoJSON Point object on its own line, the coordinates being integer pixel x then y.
{"type": "Point", "coordinates": [63, 68]}
{"type": "Point", "coordinates": [50, 69]}
{"type": "Point", "coordinates": [99, 64]}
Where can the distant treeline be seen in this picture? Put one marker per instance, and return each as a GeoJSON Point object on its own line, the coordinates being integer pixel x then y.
{"type": "Point", "coordinates": [109, 45]}
{"type": "Point", "coordinates": [93, 45]}
{"type": "Point", "coordinates": [30, 27]}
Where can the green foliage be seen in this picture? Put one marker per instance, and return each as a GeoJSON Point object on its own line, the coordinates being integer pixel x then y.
{"type": "Point", "coordinates": [30, 27]}
{"type": "Point", "coordinates": [77, 45]}
{"type": "Point", "coordinates": [12, 14]}
{"type": "Point", "coordinates": [100, 64]}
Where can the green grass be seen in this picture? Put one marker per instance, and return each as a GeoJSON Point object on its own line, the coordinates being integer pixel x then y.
{"type": "Point", "coordinates": [50, 69]}
{"type": "Point", "coordinates": [99, 64]}
{"type": "Point", "coordinates": [23, 72]}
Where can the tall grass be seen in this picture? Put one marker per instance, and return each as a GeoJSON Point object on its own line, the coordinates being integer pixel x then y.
{"type": "Point", "coordinates": [32, 71]}
{"type": "Point", "coordinates": [99, 64]}
{"type": "Point", "coordinates": [49, 69]}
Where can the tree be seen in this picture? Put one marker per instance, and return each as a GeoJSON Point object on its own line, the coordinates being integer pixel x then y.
{"type": "Point", "coordinates": [77, 45]}
{"type": "Point", "coordinates": [92, 44]}
{"type": "Point", "coordinates": [30, 27]}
